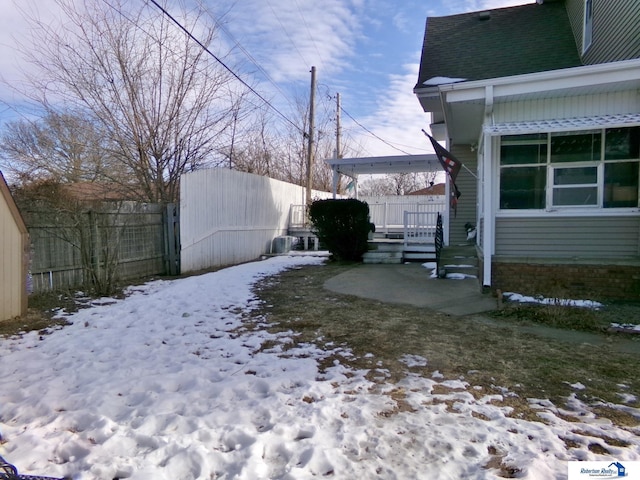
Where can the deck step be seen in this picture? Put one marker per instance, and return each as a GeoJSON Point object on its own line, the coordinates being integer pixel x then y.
{"type": "Point", "coordinates": [419, 257]}
{"type": "Point", "coordinates": [395, 236]}
{"type": "Point", "coordinates": [382, 256]}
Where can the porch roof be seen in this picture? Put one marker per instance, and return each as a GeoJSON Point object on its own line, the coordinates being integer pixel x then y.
{"type": "Point", "coordinates": [352, 167]}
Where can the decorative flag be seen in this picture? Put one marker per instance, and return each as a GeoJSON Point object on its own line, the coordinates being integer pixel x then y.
{"type": "Point", "coordinates": [451, 165]}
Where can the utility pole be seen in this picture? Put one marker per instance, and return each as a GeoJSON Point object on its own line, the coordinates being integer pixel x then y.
{"type": "Point", "coordinates": [310, 135]}
{"type": "Point", "coordinates": [338, 128]}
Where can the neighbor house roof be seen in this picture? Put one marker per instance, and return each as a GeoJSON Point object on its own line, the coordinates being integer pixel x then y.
{"type": "Point", "coordinates": [437, 189]}
{"type": "Point", "coordinates": [497, 43]}
{"type": "Point", "coordinates": [93, 191]}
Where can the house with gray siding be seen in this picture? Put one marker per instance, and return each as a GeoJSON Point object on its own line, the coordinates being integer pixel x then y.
{"type": "Point", "coordinates": [542, 104]}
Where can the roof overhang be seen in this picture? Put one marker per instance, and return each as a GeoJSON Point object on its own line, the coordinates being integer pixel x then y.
{"type": "Point", "coordinates": [352, 167]}
{"type": "Point", "coordinates": [463, 104]}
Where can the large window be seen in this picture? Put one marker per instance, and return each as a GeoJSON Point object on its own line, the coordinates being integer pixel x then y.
{"type": "Point", "coordinates": [587, 169]}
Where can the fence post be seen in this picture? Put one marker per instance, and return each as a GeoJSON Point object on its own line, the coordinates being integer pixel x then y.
{"type": "Point", "coordinates": [172, 240]}
{"type": "Point", "coordinates": [95, 246]}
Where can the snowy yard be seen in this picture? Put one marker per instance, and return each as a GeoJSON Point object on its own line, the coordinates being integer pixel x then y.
{"type": "Point", "coordinates": [167, 384]}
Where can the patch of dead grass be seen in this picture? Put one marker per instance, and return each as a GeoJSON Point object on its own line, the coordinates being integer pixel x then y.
{"type": "Point", "coordinates": [496, 462]}
{"type": "Point", "coordinates": [499, 355]}
{"type": "Point", "coordinates": [617, 416]}
{"type": "Point", "coordinates": [34, 320]}
{"type": "Point", "coordinates": [614, 442]}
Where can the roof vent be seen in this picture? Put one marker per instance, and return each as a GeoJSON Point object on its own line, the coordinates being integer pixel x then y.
{"type": "Point", "coordinates": [484, 15]}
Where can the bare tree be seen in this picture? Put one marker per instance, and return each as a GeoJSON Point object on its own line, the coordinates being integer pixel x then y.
{"type": "Point", "coordinates": [63, 147]}
{"type": "Point", "coordinates": [263, 146]}
{"type": "Point", "coordinates": [376, 187]}
{"type": "Point", "coordinates": [92, 229]}
{"type": "Point", "coordinates": [397, 183]}
{"type": "Point", "coordinates": [158, 96]}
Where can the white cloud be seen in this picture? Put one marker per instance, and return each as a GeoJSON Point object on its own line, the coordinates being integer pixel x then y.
{"type": "Point", "coordinates": [398, 118]}
{"type": "Point", "coordinates": [289, 37]}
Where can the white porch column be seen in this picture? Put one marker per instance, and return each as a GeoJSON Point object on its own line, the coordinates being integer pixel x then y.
{"type": "Point", "coordinates": [488, 231]}
{"type": "Point", "coordinates": [487, 206]}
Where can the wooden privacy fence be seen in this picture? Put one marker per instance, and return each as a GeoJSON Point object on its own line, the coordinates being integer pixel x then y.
{"type": "Point", "coordinates": [138, 238]}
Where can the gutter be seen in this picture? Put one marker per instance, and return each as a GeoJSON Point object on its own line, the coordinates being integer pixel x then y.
{"type": "Point", "coordinates": [629, 67]}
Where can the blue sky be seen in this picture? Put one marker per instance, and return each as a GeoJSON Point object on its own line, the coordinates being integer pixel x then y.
{"type": "Point", "coordinates": [367, 50]}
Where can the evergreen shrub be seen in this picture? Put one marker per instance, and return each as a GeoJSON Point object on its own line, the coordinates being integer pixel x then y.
{"type": "Point", "coordinates": [342, 226]}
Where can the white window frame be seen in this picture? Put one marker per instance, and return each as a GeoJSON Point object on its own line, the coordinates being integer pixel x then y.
{"type": "Point", "coordinates": [552, 187]}
{"type": "Point", "coordinates": [566, 210]}
{"type": "Point", "coordinates": [587, 26]}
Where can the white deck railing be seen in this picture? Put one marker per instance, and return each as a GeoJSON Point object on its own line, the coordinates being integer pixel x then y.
{"type": "Point", "coordinates": [417, 221]}
{"type": "Point", "coordinates": [298, 216]}
{"type": "Point", "coordinates": [420, 227]}
{"type": "Point", "coordinates": [389, 216]}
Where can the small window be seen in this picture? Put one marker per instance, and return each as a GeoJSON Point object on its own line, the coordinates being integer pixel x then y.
{"type": "Point", "coordinates": [577, 186]}
{"type": "Point", "coordinates": [588, 25]}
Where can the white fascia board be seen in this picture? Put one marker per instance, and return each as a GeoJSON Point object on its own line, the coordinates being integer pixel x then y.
{"type": "Point", "coordinates": [599, 74]}
{"type": "Point", "coordinates": [382, 160]}
{"type": "Point", "coordinates": [381, 165]}
{"type": "Point", "coordinates": [429, 98]}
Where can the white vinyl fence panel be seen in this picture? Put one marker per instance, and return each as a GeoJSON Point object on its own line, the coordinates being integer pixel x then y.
{"type": "Point", "coordinates": [229, 217]}
{"type": "Point", "coordinates": [388, 212]}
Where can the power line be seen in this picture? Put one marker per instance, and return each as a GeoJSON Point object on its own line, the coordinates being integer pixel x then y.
{"type": "Point", "coordinates": [251, 58]}
{"type": "Point", "coordinates": [209, 52]}
{"type": "Point", "coordinates": [287, 33]}
{"type": "Point", "coordinates": [392, 145]}
{"type": "Point", "coordinates": [256, 93]}
{"type": "Point", "coordinates": [373, 134]}
{"type": "Point", "coordinates": [304, 21]}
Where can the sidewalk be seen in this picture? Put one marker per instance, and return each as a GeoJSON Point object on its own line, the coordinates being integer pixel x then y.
{"type": "Point", "coordinates": [411, 284]}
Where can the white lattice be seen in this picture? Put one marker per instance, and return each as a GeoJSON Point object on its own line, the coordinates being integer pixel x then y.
{"type": "Point", "coordinates": [564, 124]}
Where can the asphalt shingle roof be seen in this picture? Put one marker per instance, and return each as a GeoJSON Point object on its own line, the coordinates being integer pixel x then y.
{"type": "Point", "coordinates": [513, 41]}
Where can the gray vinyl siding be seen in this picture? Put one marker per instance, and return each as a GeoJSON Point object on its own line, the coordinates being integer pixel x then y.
{"type": "Point", "coordinates": [616, 29]}
{"type": "Point", "coordinates": [610, 103]}
{"type": "Point", "coordinates": [574, 237]}
{"type": "Point", "coordinates": [468, 188]}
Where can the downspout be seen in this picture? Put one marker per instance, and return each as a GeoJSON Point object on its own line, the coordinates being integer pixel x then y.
{"type": "Point", "coordinates": [488, 231]}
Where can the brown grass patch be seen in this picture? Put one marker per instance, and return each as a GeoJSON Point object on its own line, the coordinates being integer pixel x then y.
{"type": "Point", "coordinates": [614, 442]}
{"type": "Point", "coordinates": [617, 416]}
{"type": "Point", "coordinates": [34, 320]}
{"type": "Point", "coordinates": [484, 353]}
{"type": "Point", "coordinates": [496, 463]}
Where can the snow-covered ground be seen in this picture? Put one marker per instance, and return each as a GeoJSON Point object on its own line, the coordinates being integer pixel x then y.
{"type": "Point", "coordinates": [168, 384]}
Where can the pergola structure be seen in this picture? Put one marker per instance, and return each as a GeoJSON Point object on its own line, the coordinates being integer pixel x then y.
{"type": "Point", "coordinates": [353, 167]}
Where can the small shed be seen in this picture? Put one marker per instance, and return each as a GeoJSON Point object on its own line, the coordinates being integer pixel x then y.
{"type": "Point", "coordinates": [14, 256]}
